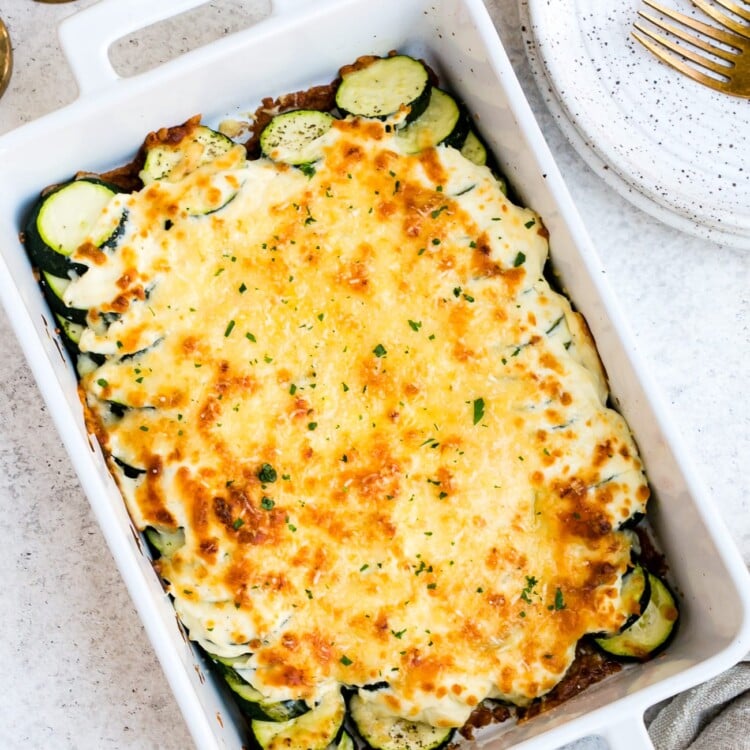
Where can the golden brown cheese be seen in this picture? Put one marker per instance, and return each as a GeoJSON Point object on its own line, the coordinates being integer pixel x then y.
{"type": "Point", "coordinates": [448, 479]}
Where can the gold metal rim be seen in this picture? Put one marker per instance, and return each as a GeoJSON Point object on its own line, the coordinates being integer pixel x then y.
{"type": "Point", "coordinates": [6, 57]}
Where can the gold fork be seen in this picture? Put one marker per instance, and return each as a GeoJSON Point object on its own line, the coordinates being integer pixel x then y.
{"type": "Point", "coordinates": [729, 60]}
{"type": "Point", "coordinates": [723, 18]}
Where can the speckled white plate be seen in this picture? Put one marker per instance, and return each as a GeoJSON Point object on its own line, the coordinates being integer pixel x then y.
{"type": "Point", "coordinates": [676, 149]}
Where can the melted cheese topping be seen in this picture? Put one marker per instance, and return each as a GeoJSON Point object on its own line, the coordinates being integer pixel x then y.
{"type": "Point", "coordinates": [448, 479]}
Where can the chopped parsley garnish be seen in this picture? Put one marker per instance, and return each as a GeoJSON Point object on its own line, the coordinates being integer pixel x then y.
{"type": "Point", "coordinates": [530, 223]}
{"type": "Point", "coordinates": [478, 410]}
{"type": "Point", "coordinates": [520, 260]}
{"type": "Point", "coordinates": [307, 169]}
{"type": "Point", "coordinates": [398, 633]}
{"type": "Point", "coordinates": [312, 425]}
{"type": "Point", "coordinates": [423, 567]}
{"type": "Point", "coordinates": [229, 328]}
{"type": "Point", "coordinates": [266, 503]}
{"type": "Point", "coordinates": [380, 351]}
{"type": "Point", "coordinates": [102, 383]}
{"type": "Point", "coordinates": [346, 661]}
{"type": "Point", "coordinates": [267, 474]}
{"type": "Point", "coordinates": [238, 523]}
{"type": "Point", "coordinates": [531, 583]}
{"type": "Point", "coordinates": [415, 325]}
{"type": "Point", "coordinates": [243, 288]}
{"type": "Point", "coordinates": [559, 601]}
{"type": "Point", "coordinates": [250, 337]}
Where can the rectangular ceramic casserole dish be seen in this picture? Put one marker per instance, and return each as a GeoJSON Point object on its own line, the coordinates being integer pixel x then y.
{"type": "Point", "coordinates": [291, 51]}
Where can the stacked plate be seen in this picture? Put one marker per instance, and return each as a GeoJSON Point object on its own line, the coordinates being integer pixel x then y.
{"type": "Point", "coordinates": [676, 149]}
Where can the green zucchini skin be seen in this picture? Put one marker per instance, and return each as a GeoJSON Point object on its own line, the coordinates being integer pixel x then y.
{"type": "Point", "coordinates": [70, 333]}
{"type": "Point", "coordinates": [165, 542]}
{"type": "Point", "coordinates": [251, 702]}
{"type": "Point", "coordinates": [636, 586]}
{"type": "Point", "coordinates": [132, 472]}
{"type": "Point", "coordinates": [383, 87]}
{"type": "Point", "coordinates": [318, 729]}
{"type": "Point", "coordinates": [650, 633]}
{"type": "Point", "coordinates": [633, 521]}
{"type": "Point", "coordinates": [444, 121]}
{"type": "Point", "coordinates": [51, 286]}
{"type": "Point", "coordinates": [49, 239]}
{"type": "Point", "coordinates": [391, 733]}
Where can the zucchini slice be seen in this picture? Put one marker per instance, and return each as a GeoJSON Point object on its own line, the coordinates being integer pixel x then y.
{"type": "Point", "coordinates": [474, 150]}
{"type": "Point", "coordinates": [294, 137]}
{"type": "Point", "coordinates": [167, 161]}
{"type": "Point", "coordinates": [636, 594]}
{"type": "Point", "coordinates": [314, 730]}
{"type": "Point", "coordinates": [255, 705]}
{"type": "Point", "coordinates": [63, 219]}
{"type": "Point", "coordinates": [54, 287]}
{"type": "Point", "coordinates": [392, 733]}
{"type": "Point", "coordinates": [70, 332]}
{"type": "Point", "coordinates": [444, 121]}
{"type": "Point", "coordinates": [384, 87]}
{"type": "Point", "coordinates": [165, 541]}
{"type": "Point", "coordinates": [651, 631]}
{"type": "Point", "coordinates": [133, 472]}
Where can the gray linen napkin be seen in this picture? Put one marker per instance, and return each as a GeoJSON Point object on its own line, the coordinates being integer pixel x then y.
{"type": "Point", "coordinates": [711, 716]}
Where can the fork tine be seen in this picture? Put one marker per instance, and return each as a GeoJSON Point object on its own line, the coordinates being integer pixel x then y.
{"type": "Point", "coordinates": [734, 8]}
{"type": "Point", "coordinates": [678, 64]}
{"type": "Point", "coordinates": [685, 52]}
{"type": "Point", "coordinates": [712, 32]}
{"type": "Point", "coordinates": [739, 28]}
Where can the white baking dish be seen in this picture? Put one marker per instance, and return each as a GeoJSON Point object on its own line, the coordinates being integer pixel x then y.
{"type": "Point", "coordinates": [290, 51]}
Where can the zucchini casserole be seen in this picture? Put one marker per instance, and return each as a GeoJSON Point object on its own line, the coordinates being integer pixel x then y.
{"type": "Point", "coordinates": [369, 442]}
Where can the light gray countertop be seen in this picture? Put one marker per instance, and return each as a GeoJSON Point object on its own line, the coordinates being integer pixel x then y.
{"type": "Point", "coordinates": [78, 669]}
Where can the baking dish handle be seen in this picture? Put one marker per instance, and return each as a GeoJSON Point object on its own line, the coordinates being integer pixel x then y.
{"type": "Point", "coordinates": [629, 733]}
{"type": "Point", "coordinates": [87, 35]}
